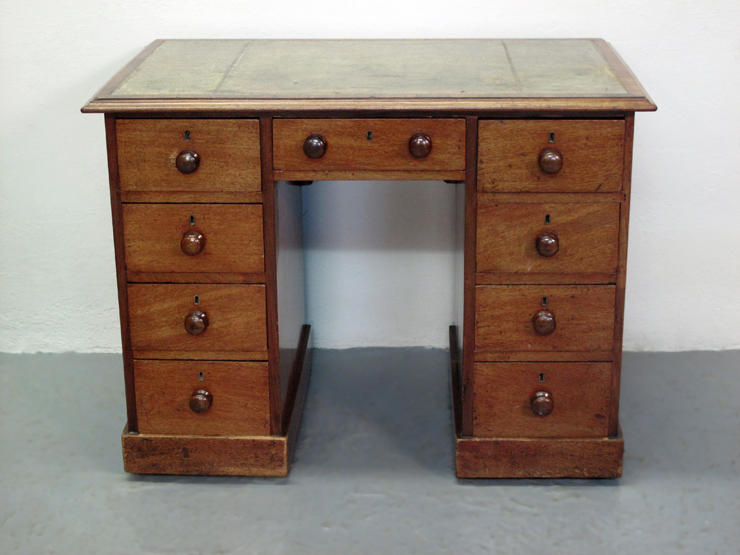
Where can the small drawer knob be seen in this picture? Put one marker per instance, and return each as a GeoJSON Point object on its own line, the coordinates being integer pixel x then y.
{"type": "Point", "coordinates": [551, 161]}
{"type": "Point", "coordinates": [192, 242]}
{"type": "Point", "coordinates": [187, 161]}
{"type": "Point", "coordinates": [544, 322]}
{"type": "Point", "coordinates": [314, 146]}
{"type": "Point", "coordinates": [547, 244]}
{"type": "Point", "coordinates": [200, 401]}
{"type": "Point", "coordinates": [196, 322]}
{"type": "Point", "coordinates": [420, 145]}
{"type": "Point", "coordinates": [542, 403]}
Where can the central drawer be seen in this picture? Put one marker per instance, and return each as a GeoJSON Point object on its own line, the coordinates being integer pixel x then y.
{"type": "Point", "coordinates": [369, 144]}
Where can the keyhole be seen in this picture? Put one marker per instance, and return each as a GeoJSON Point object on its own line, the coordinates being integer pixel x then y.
{"type": "Point", "coordinates": [192, 220]}
{"type": "Point", "coordinates": [542, 377]}
{"type": "Point", "coordinates": [547, 219]}
{"type": "Point", "coordinates": [187, 135]}
{"type": "Point", "coordinates": [196, 299]}
{"type": "Point", "coordinates": [369, 135]}
{"type": "Point", "coordinates": [544, 301]}
{"type": "Point", "coordinates": [552, 137]}
{"type": "Point", "coordinates": [201, 377]}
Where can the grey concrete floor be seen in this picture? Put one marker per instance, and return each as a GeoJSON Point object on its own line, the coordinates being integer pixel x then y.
{"type": "Point", "coordinates": [373, 471]}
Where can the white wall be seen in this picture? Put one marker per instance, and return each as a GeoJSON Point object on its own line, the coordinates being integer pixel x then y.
{"type": "Point", "coordinates": [57, 285]}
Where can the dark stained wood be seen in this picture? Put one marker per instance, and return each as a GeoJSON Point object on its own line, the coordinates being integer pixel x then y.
{"type": "Point", "coordinates": [120, 255]}
{"type": "Point", "coordinates": [194, 277]}
{"type": "Point", "coordinates": [369, 175]}
{"type": "Point", "coordinates": [420, 145]}
{"type": "Point", "coordinates": [543, 356]}
{"type": "Point", "coordinates": [368, 144]}
{"type": "Point", "coordinates": [290, 284]}
{"type": "Point", "coordinates": [539, 457]}
{"type": "Point", "coordinates": [314, 146]}
{"type": "Point", "coordinates": [205, 455]}
{"type": "Point", "coordinates": [296, 380]}
{"type": "Point", "coordinates": [586, 237]}
{"type": "Point", "coordinates": [236, 315]}
{"type": "Point", "coordinates": [592, 153]}
{"type": "Point", "coordinates": [551, 161]}
{"type": "Point", "coordinates": [247, 197]}
{"type": "Point", "coordinates": [228, 151]}
{"type": "Point", "coordinates": [269, 208]}
{"type": "Point", "coordinates": [579, 399]}
{"type": "Point", "coordinates": [231, 238]}
{"type": "Point", "coordinates": [622, 275]}
{"type": "Point", "coordinates": [304, 358]}
{"type": "Point", "coordinates": [553, 279]}
{"type": "Point", "coordinates": [147, 354]}
{"type": "Point", "coordinates": [584, 315]}
{"type": "Point", "coordinates": [238, 397]}
{"type": "Point", "coordinates": [470, 289]}
{"type": "Point", "coordinates": [196, 322]}
{"type": "Point", "coordinates": [544, 322]}
{"type": "Point", "coordinates": [455, 385]}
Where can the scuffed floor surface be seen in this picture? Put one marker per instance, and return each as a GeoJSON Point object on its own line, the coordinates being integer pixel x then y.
{"type": "Point", "coordinates": [373, 470]}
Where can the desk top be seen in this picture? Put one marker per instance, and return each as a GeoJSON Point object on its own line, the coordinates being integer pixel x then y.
{"type": "Point", "coordinates": [269, 75]}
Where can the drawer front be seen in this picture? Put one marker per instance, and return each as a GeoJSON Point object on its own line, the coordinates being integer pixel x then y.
{"type": "Point", "coordinates": [583, 317]}
{"type": "Point", "coordinates": [227, 150]}
{"type": "Point", "coordinates": [512, 155]}
{"type": "Point", "coordinates": [563, 399]}
{"type": "Point", "coordinates": [202, 397]}
{"type": "Point", "coordinates": [369, 144]}
{"type": "Point", "coordinates": [532, 237]}
{"type": "Point", "coordinates": [193, 238]}
{"type": "Point", "coordinates": [235, 317]}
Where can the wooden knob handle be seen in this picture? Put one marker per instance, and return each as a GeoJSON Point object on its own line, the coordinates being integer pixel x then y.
{"type": "Point", "coordinates": [544, 322]}
{"type": "Point", "coordinates": [192, 242]}
{"type": "Point", "coordinates": [542, 403]}
{"type": "Point", "coordinates": [200, 401]}
{"type": "Point", "coordinates": [196, 322]}
{"type": "Point", "coordinates": [547, 244]}
{"type": "Point", "coordinates": [420, 145]}
{"type": "Point", "coordinates": [551, 161]}
{"type": "Point", "coordinates": [187, 161]}
{"type": "Point", "coordinates": [314, 146]}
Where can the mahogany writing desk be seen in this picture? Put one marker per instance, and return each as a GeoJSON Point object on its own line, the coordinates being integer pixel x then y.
{"type": "Point", "coordinates": [209, 143]}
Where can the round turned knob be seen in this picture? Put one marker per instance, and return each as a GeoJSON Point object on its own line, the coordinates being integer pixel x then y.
{"type": "Point", "coordinates": [420, 145]}
{"type": "Point", "coordinates": [187, 161]}
{"type": "Point", "coordinates": [196, 322]}
{"type": "Point", "coordinates": [547, 244]}
{"type": "Point", "coordinates": [193, 242]}
{"type": "Point", "coordinates": [200, 401]}
{"type": "Point", "coordinates": [542, 403]}
{"type": "Point", "coordinates": [551, 161]}
{"type": "Point", "coordinates": [544, 322]}
{"type": "Point", "coordinates": [315, 146]}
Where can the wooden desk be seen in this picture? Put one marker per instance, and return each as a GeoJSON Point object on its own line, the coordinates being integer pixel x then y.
{"type": "Point", "coordinates": [209, 143]}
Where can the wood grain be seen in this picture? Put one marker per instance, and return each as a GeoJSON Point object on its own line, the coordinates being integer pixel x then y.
{"type": "Point", "coordinates": [236, 314]}
{"type": "Point", "coordinates": [239, 390]}
{"type": "Point", "coordinates": [581, 393]}
{"type": "Point", "coordinates": [592, 150]}
{"type": "Point", "coordinates": [248, 197]}
{"type": "Point", "coordinates": [200, 355]}
{"type": "Point", "coordinates": [349, 148]}
{"type": "Point", "coordinates": [120, 256]}
{"type": "Point", "coordinates": [194, 277]}
{"type": "Point", "coordinates": [205, 455]}
{"type": "Point", "coordinates": [588, 238]}
{"type": "Point", "coordinates": [539, 458]}
{"type": "Point", "coordinates": [535, 278]}
{"type": "Point", "coordinates": [369, 175]}
{"type": "Point", "coordinates": [233, 237]}
{"type": "Point", "coordinates": [228, 150]}
{"type": "Point", "coordinates": [543, 356]}
{"type": "Point", "coordinates": [584, 316]}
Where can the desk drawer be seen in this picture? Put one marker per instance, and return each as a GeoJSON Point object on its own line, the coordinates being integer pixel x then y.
{"type": "Point", "coordinates": [547, 238]}
{"type": "Point", "coordinates": [506, 318]}
{"type": "Point", "coordinates": [202, 397]}
{"type": "Point", "coordinates": [153, 155]}
{"type": "Point", "coordinates": [369, 144]}
{"type": "Point", "coordinates": [234, 318]}
{"type": "Point", "coordinates": [193, 238]}
{"type": "Point", "coordinates": [512, 155]}
{"type": "Point", "coordinates": [563, 399]}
